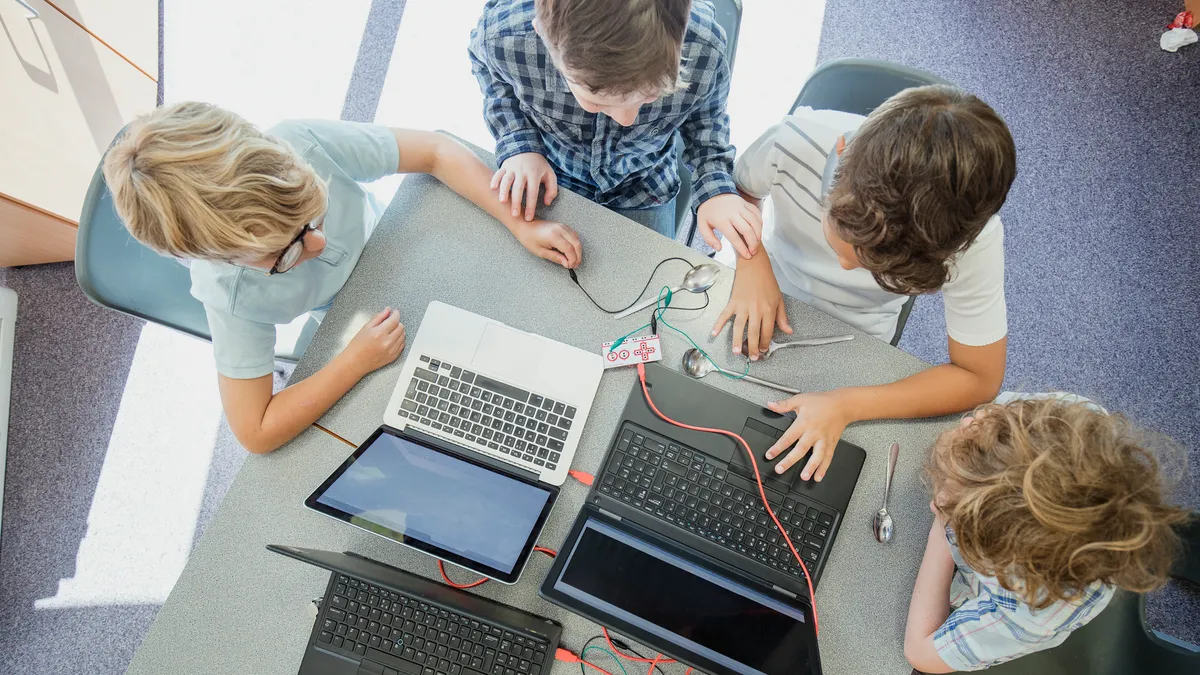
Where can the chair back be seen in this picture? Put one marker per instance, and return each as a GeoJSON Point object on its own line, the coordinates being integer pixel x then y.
{"type": "Point", "coordinates": [858, 86]}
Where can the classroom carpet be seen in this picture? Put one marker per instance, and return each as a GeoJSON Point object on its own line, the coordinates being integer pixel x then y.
{"type": "Point", "coordinates": [1102, 294]}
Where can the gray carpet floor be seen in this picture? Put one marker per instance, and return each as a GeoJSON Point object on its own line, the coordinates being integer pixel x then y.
{"type": "Point", "coordinates": [1102, 295]}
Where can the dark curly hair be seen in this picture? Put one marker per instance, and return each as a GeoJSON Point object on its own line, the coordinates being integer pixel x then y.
{"type": "Point", "coordinates": [917, 183]}
{"type": "Point", "coordinates": [1049, 497]}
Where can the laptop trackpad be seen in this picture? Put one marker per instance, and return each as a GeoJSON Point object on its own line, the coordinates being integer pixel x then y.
{"type": "Point", "coordinates": [761, 437]}
{"type": "Point", "coordinates": [508, 354]}
{"type": "Point", "coordinates": [369, 667]}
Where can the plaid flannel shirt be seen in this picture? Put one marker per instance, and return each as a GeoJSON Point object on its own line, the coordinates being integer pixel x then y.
{"type": "Point", "coordinates": [529, 108]}
{"type": "Point", "coordinates": [991, 625]}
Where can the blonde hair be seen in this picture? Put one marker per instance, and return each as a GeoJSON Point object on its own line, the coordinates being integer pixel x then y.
{"type": "Point", "coordinates": [194, 181]}
{"type": "Point", "coordinates": [1050, 497]}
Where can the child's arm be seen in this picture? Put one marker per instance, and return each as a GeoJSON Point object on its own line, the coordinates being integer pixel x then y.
{"type": "Point", "coordinates": [973, 377]}
{"type": "Point", "coordinates": [930, 604]}
{"type": "Point", "coordinates": [755, 304]}
{"type": "Point", "coordinates": [462, 171]}
{"type": "Point", "coordinates": [707, 152]}
{"type": "Point", "coordinates": [262, 422]}
{"type": "Point", "coordinates": [520, 153]}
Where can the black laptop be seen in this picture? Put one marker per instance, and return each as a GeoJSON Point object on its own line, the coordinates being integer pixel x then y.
{"type": "Point", "coordinates": [375, 619]}
{"type": "Point", "coordinates": [674, 548]}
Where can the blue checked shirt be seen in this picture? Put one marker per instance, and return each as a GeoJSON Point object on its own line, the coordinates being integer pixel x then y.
{"type": "Point", "coordinates": [990, 625]}
{"type": "Point", "coordinates": [529, 108]}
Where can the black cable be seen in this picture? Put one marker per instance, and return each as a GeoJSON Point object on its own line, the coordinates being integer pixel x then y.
{"type": "Point", "coordinates": [575, 278]}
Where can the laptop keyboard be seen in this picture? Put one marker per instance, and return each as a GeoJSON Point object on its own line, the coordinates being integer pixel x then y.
{"type": "Point", "coordinates": [690, 489]}
{"type": "Point", "coordinates": [529, 428]}
{"type": "Point", "coordinates": [430, 640]}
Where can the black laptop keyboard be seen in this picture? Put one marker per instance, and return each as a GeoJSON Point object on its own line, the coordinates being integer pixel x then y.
{"type": "Point", "coordinates": [699, 494]}
{"type": "Point", "coordinates": [428, 639]}
{"type": "Point", "coordinates": [528, 428]}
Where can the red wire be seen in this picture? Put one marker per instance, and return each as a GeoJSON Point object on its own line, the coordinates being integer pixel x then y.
{"type": "Point", "coordinates": [567, 656]}
{"type": "Point", "coordinates": [442, 568]}
{"type": "Point", "coordinates": [688, 671]}
{"type": "Point", "coordinates": [654, 664]}
{"type": "Point", "coordinates": [473, 584]}
{"type": "Point", "coordinates": [757, 477]}
{"type": "Point", "coordinates": [631, 657]}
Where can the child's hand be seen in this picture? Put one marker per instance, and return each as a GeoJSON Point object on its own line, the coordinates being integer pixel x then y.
{"type": "Point", "coordinates": [521, 176]}
{"type": "Point", "coordinates": [737, 219]}
{"type": "Point", "coordinates": [553, 241]}
{"type": "Point", "coordinates": [756, 306]}
{"type": "Point", "coordinates": [819, 424]}
{"type": "Point", "coordinates": [378, 343]}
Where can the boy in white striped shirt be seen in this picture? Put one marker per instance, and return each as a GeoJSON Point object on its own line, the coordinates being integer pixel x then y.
{"type": "Point", "coordinates": [863, 213]}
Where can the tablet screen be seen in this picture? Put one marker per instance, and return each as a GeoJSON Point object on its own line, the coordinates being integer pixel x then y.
{"type": "Point", "coordinates": [438, 502]}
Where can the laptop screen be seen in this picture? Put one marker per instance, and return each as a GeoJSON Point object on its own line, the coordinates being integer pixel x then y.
{"type": "Point", "coordinates": [686, 605]}
{"type": "Point", "coordinates": [420, 495]}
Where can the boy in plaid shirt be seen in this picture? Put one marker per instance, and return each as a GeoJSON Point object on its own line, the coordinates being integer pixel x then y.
{"type": "Point", "coordinates": [589, 95]}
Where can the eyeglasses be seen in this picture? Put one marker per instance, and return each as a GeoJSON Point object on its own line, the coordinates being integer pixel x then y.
{"type": "Point", "coordinates": [291, 255]}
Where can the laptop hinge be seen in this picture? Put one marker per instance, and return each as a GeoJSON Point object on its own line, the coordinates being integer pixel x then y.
{"type": "Point", "coordinates": [785, 592]}
{"type": "Point", "coordinates": [608, 513]}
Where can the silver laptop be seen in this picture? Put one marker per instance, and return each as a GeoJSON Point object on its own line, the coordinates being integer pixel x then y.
{"type": "Point", "coordinates": [484, 386]}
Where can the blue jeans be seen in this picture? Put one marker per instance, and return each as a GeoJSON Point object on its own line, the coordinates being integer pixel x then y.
{"type": "Point", "coordinates": [660, 218]}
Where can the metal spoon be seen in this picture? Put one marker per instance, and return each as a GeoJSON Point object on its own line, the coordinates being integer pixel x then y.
{"type": "Point", "coordinates": [808, 342]}
{"type": "Point", "coordinates": [882, 523]}
{"type": "Point", "coordinates": [697, 280]}
{"type": "Point", "coordinates": [696, 365]}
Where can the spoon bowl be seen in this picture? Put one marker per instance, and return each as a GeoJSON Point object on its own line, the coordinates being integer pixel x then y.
{"type": "Point", "coordinates": [882, 526]}
{"type": "Point", "coordinates": [700, 278]}
{"type": "Point", "coordinates": [696, 365]}
{"type": "Point", "coordinates": [697, 280]}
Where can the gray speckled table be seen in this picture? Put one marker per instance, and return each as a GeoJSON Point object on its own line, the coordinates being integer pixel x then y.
{"type": "Point", "coordinates": [238, 608]}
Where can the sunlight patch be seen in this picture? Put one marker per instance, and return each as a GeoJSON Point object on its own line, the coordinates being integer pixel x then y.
{"type": "Point", "coordinates": [143, 514]}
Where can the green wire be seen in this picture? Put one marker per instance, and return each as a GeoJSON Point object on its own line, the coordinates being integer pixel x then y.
{"type": "Point", "coordinates": [583, 654]}
{"type": "Point", "coordinates": [663, 304]}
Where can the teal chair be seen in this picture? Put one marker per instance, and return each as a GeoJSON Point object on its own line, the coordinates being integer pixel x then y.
{"type": "Point", "coordinates": [1118, 641]}
{"type": "Point", "coordinates": [114, 270]}
{"type": "Point", "coordinates": [858, 86]}
{"type": "Point", "coordinates": [729, 16]}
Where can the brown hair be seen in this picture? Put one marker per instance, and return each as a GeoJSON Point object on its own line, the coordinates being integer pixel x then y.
{"type": "Point", "coordinates": [1049, 497]}
{"type": "Point", "coordinates": [917, 183]}
{"type": "Point", "coordinates": [194, 181]}
{"type": "Point", "coordinates": [617, 47]}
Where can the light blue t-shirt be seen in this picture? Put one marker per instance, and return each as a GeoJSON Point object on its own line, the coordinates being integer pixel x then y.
{"type": "Point", "coordinates": [244, 305]}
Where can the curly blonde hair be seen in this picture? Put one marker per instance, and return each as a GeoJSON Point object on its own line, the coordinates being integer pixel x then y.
{"type": "Point", "coordinates": [1049, 496]}
{"type": "Point", "coordinates": [194, 181]}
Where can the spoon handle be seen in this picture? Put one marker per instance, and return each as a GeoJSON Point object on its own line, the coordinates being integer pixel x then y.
{"type": "Point", "coordinates": [768, 383]}
{"type": "Point", "coordinates": [812, 342]}
{"type": "Point", "coordinates": [653, 300]}
{"type": "Point", "coordinates": [893, 455]}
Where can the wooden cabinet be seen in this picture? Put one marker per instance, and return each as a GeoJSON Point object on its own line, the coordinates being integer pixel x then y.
{"type": "Point", "coordinates": [63, 96]}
